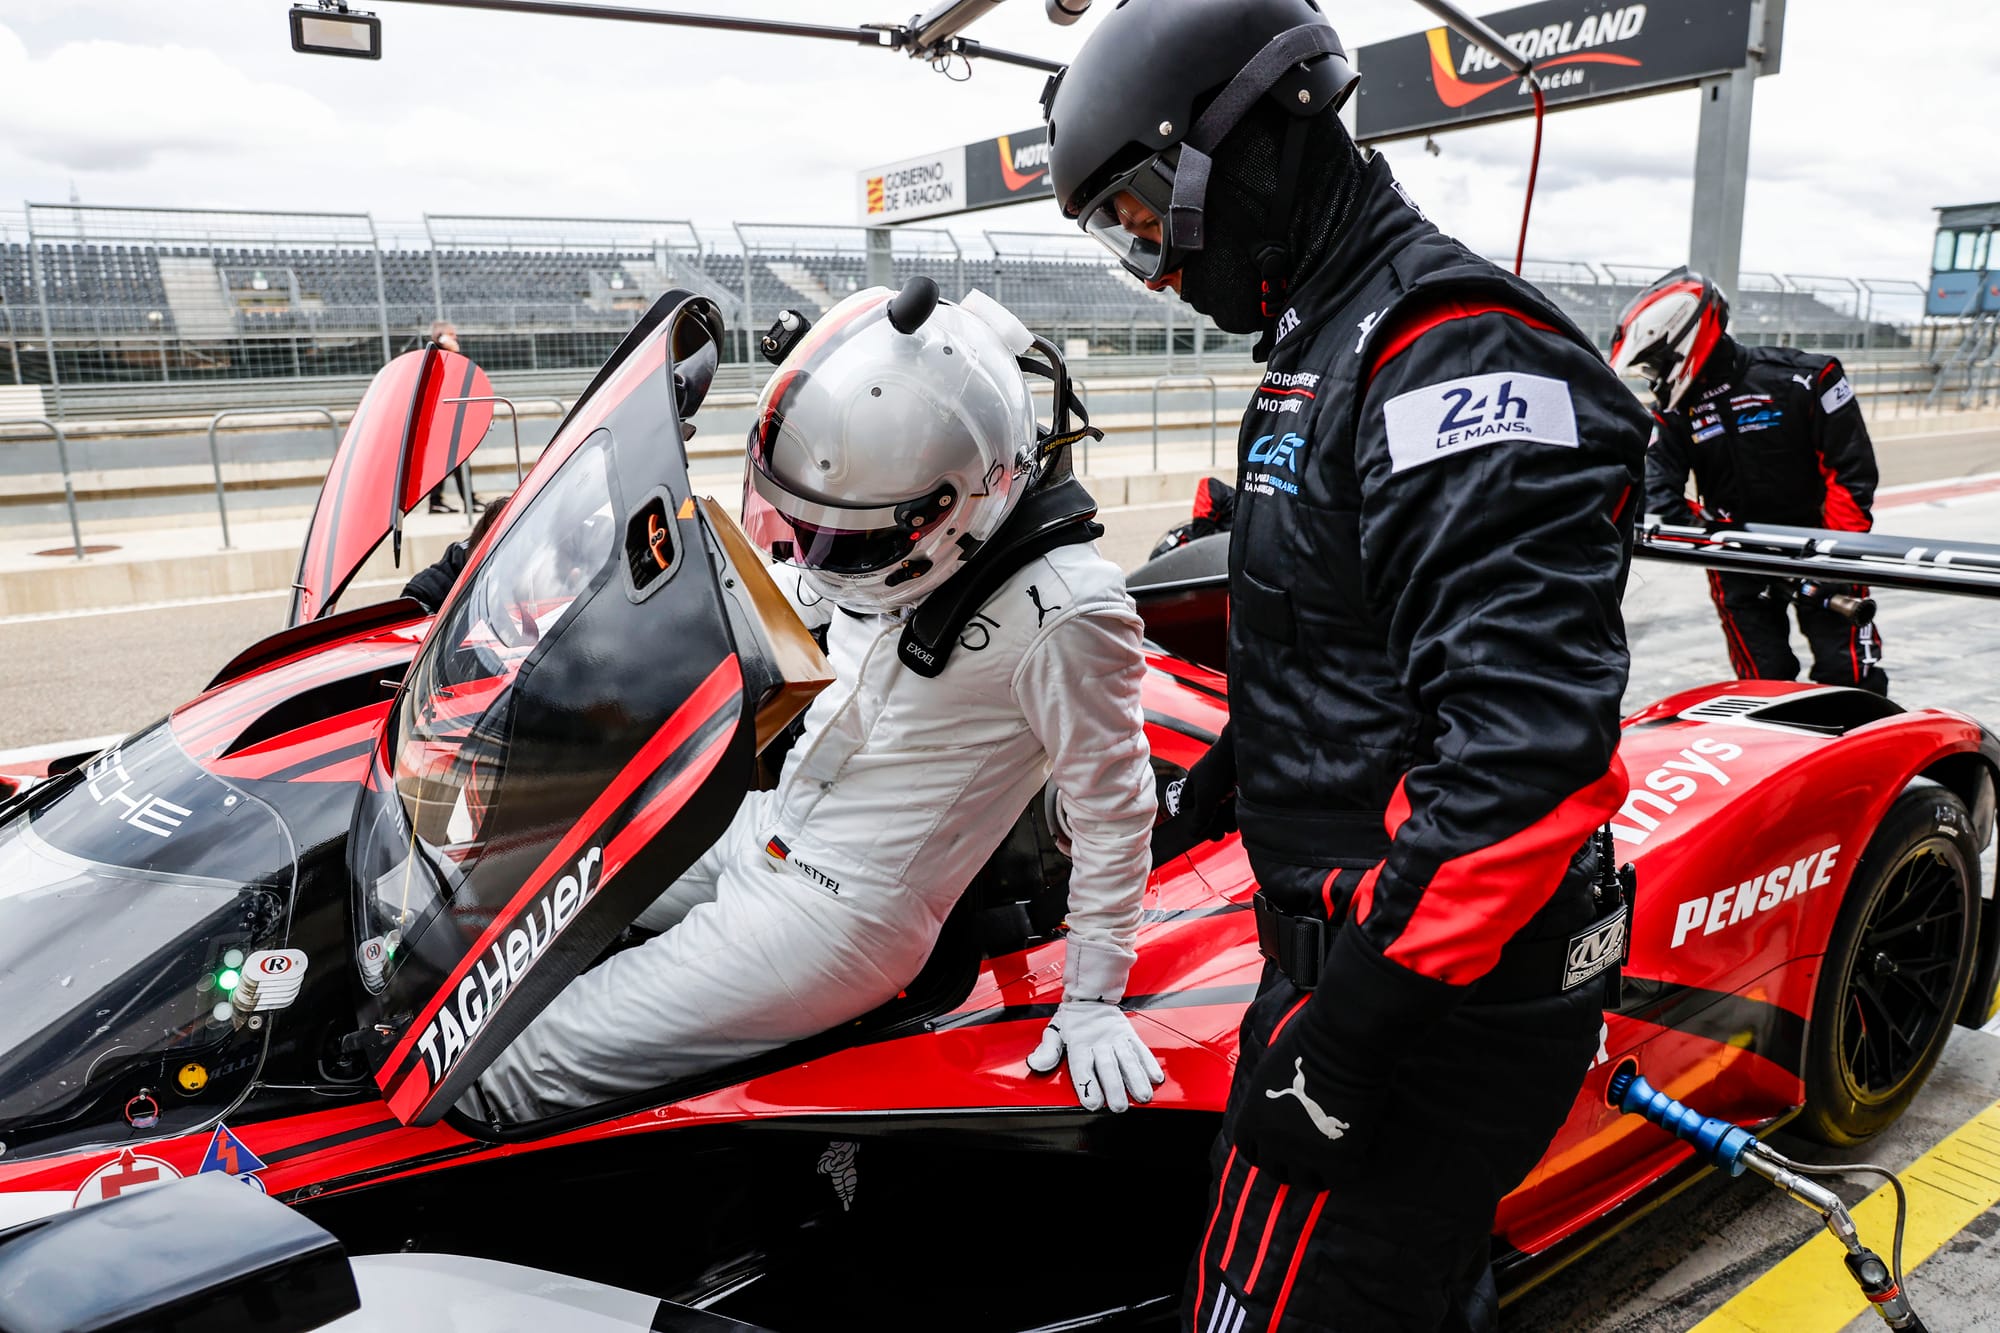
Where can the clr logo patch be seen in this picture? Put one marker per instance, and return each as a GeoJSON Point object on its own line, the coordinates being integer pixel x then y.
{"type": "Point", "coordinates": [1283, 453]}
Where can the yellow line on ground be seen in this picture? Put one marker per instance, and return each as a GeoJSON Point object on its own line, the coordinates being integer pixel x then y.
{"type": "Point", "coordinates": [1809, 1291]}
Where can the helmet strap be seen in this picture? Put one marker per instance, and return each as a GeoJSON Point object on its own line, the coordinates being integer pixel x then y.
{"type": "Point", "coordinates": [1274, 261]}
{"type": "Point", "coordinates": [1254, 80]}
{"type": "Point", "coordinates": [1053, 442]}
{"type": "Point", "coordinates": [1049, 516]}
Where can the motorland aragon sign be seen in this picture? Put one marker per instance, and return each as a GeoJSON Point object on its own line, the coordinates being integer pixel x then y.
{"type": "Point", "coordinates": [958, 180]}
{"type": "Point", "coordinates": [1583, 51]}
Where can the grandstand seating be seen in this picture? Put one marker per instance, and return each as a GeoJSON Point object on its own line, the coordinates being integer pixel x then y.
{"type": "Point", "coordinates": [118, 290]}
{"type": "Point", "coordinates": [90, 288]}
{"type": "Point", "coordinates": [115, 289]}
{"type": "Point", "coordinates": [1054, 291]}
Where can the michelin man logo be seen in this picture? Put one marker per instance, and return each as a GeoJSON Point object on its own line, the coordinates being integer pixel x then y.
{"type": "Point", "coordinates": [837, 1165]}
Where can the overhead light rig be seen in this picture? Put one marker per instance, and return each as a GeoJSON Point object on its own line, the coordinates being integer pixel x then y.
{"type": "Point", "coordinates": [331, 28]}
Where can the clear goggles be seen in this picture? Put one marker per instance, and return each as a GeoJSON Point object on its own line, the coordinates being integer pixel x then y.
{"type": "Point", "coordinates": [1129, 218]}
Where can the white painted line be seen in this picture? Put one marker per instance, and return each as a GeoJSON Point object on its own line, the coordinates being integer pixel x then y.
{"type": "Point", "coordinates": [1913, 435]}
{"type": "Point", "coordinates": [57, 749]}
{"type": "Point", "coordinates": [34, 616]}
{"type": "Point", "coordinates": [1970, 479]}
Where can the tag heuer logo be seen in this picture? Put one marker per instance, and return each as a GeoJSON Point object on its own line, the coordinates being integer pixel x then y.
{"type": "Point", "coordinates": [1595, 951]}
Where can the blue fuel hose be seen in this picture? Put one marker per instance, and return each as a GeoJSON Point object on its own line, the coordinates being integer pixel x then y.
{"type": "Point", "coordinates": [1717, 1141]}
{"type": "Point", "coordinates": [1734, 1149]}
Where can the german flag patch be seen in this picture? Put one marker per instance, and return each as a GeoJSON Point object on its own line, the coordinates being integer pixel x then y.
{"type": "Point", "coordinates": [776, 849]}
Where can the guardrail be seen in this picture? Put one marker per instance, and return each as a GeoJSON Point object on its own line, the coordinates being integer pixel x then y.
{"type": "Point", "coordinates": [62, 459]}
{"type": "Point", "coordinates": [215, 453]}
{"type": "Point", "coordinates": [1214, 410]}
{"type": "Point", "coordinates": [513, 419]}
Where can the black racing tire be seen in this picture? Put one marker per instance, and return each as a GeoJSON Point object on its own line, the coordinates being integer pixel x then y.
{"type": "Point", "coordinates": [1897, 967]}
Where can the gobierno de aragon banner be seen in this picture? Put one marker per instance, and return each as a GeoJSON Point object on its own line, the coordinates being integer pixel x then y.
{"type": "Point", "coordinates": [1582, 50]}
{"type": "Point", "coordinates": [987, 174]}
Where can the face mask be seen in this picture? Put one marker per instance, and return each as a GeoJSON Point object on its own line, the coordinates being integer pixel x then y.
{"type": "Point", "coordinates": [1222, 280]}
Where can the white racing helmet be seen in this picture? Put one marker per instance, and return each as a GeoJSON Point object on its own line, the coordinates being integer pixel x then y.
{"type": "Point", "coordinates": [893, 442]}
{"type": "Point", "coordinates": [1668, 332]}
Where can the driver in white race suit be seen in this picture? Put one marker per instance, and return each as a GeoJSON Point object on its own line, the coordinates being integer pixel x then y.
{"type": "Point", "coordinates": [898, 446]}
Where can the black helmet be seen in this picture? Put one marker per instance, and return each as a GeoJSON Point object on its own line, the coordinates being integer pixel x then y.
{"type": "Point", "coordinates": [1122, 115]}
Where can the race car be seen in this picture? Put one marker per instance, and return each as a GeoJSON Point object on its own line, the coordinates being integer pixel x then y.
{"type": "Point", "coordinates": [278, 933]}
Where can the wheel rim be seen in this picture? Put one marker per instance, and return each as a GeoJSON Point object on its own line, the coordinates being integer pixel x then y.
{"type": "Point", "coordinates": [1903, 972]}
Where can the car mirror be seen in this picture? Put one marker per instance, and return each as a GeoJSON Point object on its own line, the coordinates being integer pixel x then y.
{"type": "Point", "coordinates": [695, 351]}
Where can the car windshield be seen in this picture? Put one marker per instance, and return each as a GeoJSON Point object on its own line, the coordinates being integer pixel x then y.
{"type": "Point", "coordinates": [132, 893]}
{"type": "Point", "coordinates": [450, 739]}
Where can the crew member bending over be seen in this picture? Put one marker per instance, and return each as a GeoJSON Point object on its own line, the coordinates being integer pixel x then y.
{"type": "Point", "coordinates": [1773, 435]}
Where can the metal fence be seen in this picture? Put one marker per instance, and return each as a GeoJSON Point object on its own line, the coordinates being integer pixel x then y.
{"type": "Point", "coordinates": [533, 293]}
{"type": "Point", "coordinates": [97, 294]}
{"type": "Point", "coordinates": [1061, 285]}
{"type": "Point", "coordinates": [96, 298]}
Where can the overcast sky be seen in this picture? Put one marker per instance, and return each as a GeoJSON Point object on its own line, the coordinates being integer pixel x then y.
{"type": "Point", "coordinates": [1882, 112]}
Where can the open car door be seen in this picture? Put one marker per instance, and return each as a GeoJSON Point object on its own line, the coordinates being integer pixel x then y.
{"type": "Point", "coordinates": [414, 425]}
{"type": "Point", "coordinates": [579, 725]}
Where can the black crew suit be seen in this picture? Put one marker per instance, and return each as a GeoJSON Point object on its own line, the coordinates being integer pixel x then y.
{"type": "Point", "coordinates": [1772, 435]}
{"type": "Point", "coordinates": [1438, 482]}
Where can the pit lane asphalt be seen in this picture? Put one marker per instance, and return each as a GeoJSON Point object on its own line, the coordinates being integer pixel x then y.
{"type": "Point", "coordinates": [91, 674]}
{"type": "Point", "coordinates": [88, 674]}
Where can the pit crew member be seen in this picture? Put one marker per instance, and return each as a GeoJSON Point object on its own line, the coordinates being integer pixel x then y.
{"type": "Point", "coordinates": [1772, 435]}
{"type": "Point", "coordinates": [429, 586]}
{"type": "Point", "coordinates": [445, 334]}
{"type": "Point", "coordinates": [1437, 484]}
{"type": "Point", "coordinates": [981, 647]}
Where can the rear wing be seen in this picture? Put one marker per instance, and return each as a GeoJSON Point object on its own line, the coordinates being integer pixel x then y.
{"type": "Point", "coordinates": [1920, 564]}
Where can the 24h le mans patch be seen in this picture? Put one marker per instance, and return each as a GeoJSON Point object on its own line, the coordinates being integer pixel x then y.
{"type": "Point", "coordinates": [1450, 418]}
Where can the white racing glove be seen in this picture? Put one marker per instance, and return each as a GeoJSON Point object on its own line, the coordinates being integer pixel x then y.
{"type": "Point", "coordinates": [1108, 1064]}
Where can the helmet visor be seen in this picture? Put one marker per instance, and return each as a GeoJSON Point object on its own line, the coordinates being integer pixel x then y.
{"type": "Point", "coordinates": [835, 539]}
{"type": "Point", "coordinates": [1656, 363]}
{"type": "Point", "coordinates": [834, 551]}
{"type": "Point", "coordinates": [1129, 217]}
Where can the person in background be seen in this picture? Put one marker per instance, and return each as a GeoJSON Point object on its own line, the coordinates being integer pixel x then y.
{"type": "Point", "coordinates": [445, 335]}
{"type": "Point", "coordinates": [429, 587]}
{"type": "Point", "coordinates": [1772, 435]}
